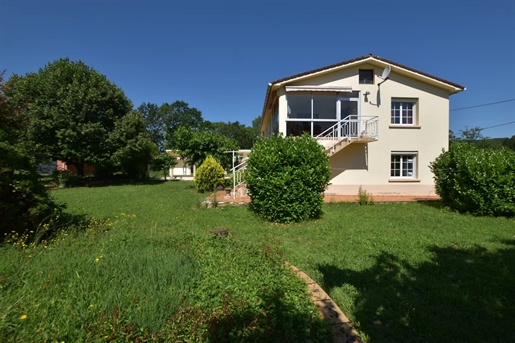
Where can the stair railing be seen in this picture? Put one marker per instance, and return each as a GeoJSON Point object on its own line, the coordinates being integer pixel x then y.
{"type": "Point", "coordinates": [238, 175]}
{"type": "Point", "coordinates": [352, 126]}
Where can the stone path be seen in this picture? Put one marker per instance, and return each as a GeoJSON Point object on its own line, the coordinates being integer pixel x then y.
{"type": "Point", "coordinates": [341, 327]}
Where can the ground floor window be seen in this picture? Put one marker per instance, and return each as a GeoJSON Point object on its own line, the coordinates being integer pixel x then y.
{"type": "Point", "coordinates": [403, 165]}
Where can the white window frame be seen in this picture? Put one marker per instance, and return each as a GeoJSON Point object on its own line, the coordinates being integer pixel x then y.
{"type": "Point", "coordinates": [404, 158]}
{"type": "Point", "coordinates": [342, 94]}
{"type": "Point", "coordinates": [403, 106]}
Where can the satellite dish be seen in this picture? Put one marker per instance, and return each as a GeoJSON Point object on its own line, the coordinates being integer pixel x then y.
{"type": "Point", "coordinates": [386, 72]}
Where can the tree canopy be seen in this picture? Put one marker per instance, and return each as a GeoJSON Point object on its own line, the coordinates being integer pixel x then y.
{"type": "Point", "coordinates": [245, 136]}
{"type": "Point", "coordinates": [163, 121]}
{"type": "Point", "coordinates": [154, 123]}
{"type": "Point", "coordinates": [131, 148]}
{"type": "Point", "coordinates": [194, 146]}
{"type": "Point", "coordinates": [72, 110]}
{"type": "Point", "coordinates": [24, 201]}
{"type": "Point", "coordinates": [474, 136]}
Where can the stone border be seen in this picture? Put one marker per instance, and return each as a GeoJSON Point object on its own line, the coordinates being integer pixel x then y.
{"type": "Point", "coordinates": [341, 327]}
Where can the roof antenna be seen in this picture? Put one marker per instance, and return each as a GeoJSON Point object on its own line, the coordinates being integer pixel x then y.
{"type": "Point", "coordinates": [385, 76]}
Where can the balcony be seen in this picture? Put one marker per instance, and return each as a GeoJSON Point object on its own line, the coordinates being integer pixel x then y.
{"type": "Point", "coordinates": [351, 129]}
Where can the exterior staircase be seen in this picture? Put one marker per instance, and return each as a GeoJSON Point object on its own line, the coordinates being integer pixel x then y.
{"type": "Point", "coordinates": [352, 129]}
{"type": "Point", "coordinates": [239, 189]}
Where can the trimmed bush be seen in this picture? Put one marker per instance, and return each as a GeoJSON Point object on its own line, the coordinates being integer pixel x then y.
{"type": "Point", "coordinates": [286, 178]}
{"type": "Point", "coordinates": [209, 175]}
{"type": "Point", "coordinates": [477, 181]}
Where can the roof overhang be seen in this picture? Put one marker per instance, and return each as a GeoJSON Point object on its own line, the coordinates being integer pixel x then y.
{"type": "Point", "coordinates": [317, 89]}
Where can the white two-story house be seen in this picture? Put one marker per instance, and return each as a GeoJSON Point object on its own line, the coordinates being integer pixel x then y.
{"type": "Point", "coordinates": [381, 122]}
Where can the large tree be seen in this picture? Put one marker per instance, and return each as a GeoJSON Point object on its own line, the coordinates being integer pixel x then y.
{"type": "Point", "coordinates": [162, 121]}
{"type": "Point", "coordinates": [72, 110]}
{"type": "Point", "coordinates": [24, 201]}
{"type": "Point", "coordinates": [194, 146]}
{"type": "Point", "coordinates": [131, 147]}
{"type": "Point", "coordinates": [154, 123]}
{"type": "Point", "coordinates": [178, 114]}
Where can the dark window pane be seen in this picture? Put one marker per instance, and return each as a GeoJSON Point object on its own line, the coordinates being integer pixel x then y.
{"type": "Point", "coordinates": [324, 105]}
{"type": "Point", "coordinates": [299, 105]}
{"type": "Point", "coordinates": [322, 126]}
{"type": "Point", "coordinates": [297, 128]}
{"type": "Point", "coordinates": [366, 76]}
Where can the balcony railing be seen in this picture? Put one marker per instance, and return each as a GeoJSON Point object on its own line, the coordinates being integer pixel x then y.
{"type": "Point", "coordinates": [349, 128]}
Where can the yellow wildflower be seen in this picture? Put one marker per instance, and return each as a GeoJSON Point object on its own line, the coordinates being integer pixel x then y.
{"type": "Point", "coordinates": [23, 317]}
{"type": "Point", "coordinates": [97, 260]}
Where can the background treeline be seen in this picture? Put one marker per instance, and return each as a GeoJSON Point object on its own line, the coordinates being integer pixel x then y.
{"type": "Point", "coordinates": [474, 136]}
{"type": "Point", "coordinates": [70, 112]}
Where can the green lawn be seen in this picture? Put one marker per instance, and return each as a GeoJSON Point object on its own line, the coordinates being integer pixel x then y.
{"type": "Point", "coordinates": [401, 272]}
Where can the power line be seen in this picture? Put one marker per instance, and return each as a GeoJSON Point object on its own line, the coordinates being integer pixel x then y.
{"type": "Point", "coordinates": [491, 103]}
{"type": "Point", "coordinates": [489, 127]}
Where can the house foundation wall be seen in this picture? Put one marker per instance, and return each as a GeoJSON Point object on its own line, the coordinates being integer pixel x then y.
{"type": "Point", "coordinates": [391, 189]}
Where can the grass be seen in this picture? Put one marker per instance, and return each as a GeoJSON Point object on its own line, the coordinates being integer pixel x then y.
{"type": "Point", "coordinates": [64, 289]}
{"type": "Point", "coordinates": [401, 272]}
{"type": "Point", "coordinates": [138, 274]}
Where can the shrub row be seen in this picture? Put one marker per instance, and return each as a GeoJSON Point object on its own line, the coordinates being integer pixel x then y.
{"type": "Point", "coordinates": [477, 181]}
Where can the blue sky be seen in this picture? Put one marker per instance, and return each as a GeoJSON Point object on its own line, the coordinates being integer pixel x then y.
{"type": "Point", "coordinates": [219, 55]}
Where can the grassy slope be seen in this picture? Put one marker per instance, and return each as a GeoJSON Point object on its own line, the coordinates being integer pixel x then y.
{"type": "Point", "coordinates": [401, 272]}
{"type": "Point", "coordinates": [157, 254]}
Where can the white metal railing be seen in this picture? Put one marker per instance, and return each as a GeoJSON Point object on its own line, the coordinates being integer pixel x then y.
{"type": "Point", "coordinates": [352, 126]}
{"type": "Point", "coordinates": [238, 175]}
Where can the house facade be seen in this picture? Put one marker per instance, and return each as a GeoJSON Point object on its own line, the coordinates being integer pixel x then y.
{"type": "Point", "coordinates": [181, 169]}
{"type": "Point", "coordinates": [381, 122]}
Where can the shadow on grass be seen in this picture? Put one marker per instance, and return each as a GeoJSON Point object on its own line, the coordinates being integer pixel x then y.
{"type": "Point", "coordinates": [115, 181]}
{"type": "Point", "coordinates": [239, 321]}
{"type": "Point", "coordinates": [437, 204]}
{"type": "Point", "coordinates": [65, 223]}
{"type": "Point", "coordinates": [460, 295]}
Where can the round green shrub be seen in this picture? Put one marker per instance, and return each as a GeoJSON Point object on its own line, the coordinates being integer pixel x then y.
{"type": "Point", "coordinates": [286, 178]}
{"type": "Point", "coordinates": [209, 175]}
{"type": "Point", "coordinates": [476, 181]}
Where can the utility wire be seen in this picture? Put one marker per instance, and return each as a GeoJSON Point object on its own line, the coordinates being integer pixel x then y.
{"type": "Point", "coordinates": [489, 127]}
{"type": "Point", "coordinates": [491, 103]}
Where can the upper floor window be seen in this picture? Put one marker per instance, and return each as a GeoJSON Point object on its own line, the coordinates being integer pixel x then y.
{"type": "Point", "coordinates": [366, 76]}
{"type": "Point", "coordinates": [312, 112]}
{"type": "Point", "coordinates": [403, 112]}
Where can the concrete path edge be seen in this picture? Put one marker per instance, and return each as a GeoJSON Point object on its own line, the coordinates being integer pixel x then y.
{"type": "Point", "coordinates": [341, 327]}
